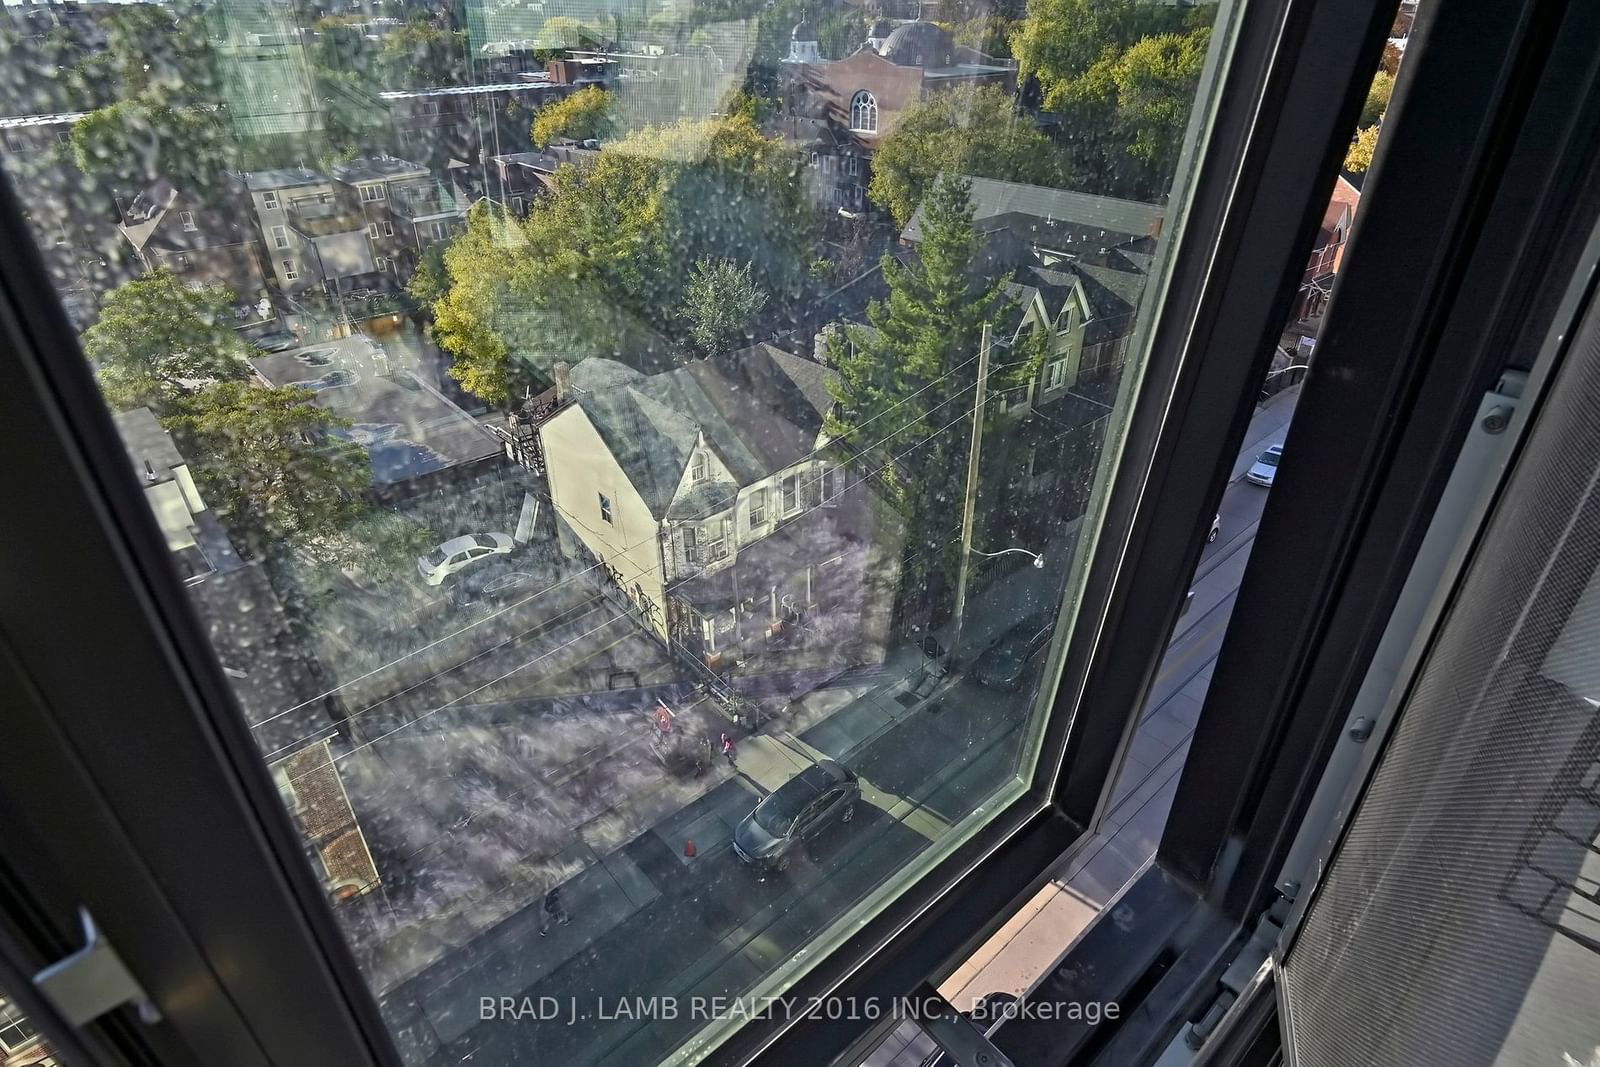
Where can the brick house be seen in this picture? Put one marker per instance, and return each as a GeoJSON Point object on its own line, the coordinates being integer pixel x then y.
{"type": "Point", "coordinates": [835, 111]}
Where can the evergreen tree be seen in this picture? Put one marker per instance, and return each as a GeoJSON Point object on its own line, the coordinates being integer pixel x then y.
{"type": "Point", "coordinates": [907, 386]}
{"type": "Point", "coordinates": [719, 305]}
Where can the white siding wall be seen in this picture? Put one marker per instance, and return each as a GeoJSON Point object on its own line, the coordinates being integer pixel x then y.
{"type": "Point", "coordinates": [581, 469]}
{"type": "Point", "coordinates": [298, 250]}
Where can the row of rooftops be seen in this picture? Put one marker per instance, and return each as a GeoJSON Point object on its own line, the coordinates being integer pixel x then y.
{"type": "Point", "coordinates": [533, 80]}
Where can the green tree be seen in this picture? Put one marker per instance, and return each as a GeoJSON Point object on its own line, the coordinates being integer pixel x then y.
{"type": "Point", "coordinates": [160, 55]}
{"type": "Point", "coordinates": [720, 303]}
{"type": "Point", "coordinates": [758, 109]}
{"type": "Point", "coordinates": [1061, 39]}
{"type": "Point", "coordinates": [599, 267]}
{"type": "Point", "coordinates": [1148, 91]}
{"type": "Point", "coordinates": [483, 270]}
{"type": "Point", "coordinates": [57, 71]}
{"type": "Point", "coordinates": [587, 113]}
{"type": "Point", "coordinates": [142, 139]}
{"type": "Point", "coordinates": [989, 33]}
{"type": "Point", "coordinates": [420, 53]}
{"type": "Point", "coordinates": [905, 383]}
{"type": "Point", "coordinates": [1358, 158]}
{"type": "Point", "coordinates": [271, 463]}
{"type": "Point", "coordinates": [1377, 102]}
{"type": "Point", "coordinates": [972, 130]}
{"type": "Point", "coordinates": [158, 342]}
{"type": "Point", "coordinates": [338, 44]}
{"type": "Point", "coordinates": [382, 544]}
{"type": "Point", "coordinates": [430, 281]}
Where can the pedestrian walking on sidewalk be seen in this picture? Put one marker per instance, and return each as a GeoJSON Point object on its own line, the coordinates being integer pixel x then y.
{"type": "Point", "coordinates": [552, 910]}
{"type": "Point", "coordinates": [727, 750]}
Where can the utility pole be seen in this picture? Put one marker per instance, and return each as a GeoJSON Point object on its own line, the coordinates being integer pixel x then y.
{"type": "Point", "coordinates": [970, 503]}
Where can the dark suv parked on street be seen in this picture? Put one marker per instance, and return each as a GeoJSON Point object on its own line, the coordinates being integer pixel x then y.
{"type": "Point", "coordinates": [817, 797]}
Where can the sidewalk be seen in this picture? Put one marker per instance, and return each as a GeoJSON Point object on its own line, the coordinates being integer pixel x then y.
{"type": "Point", "coordinates": [1042, 931]}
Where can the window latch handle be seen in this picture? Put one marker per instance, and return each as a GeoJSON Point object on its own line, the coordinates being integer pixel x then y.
{"type": "Point", "coordinates": [92, 981]}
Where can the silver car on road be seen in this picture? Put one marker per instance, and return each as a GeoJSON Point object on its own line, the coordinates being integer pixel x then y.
{"type": "Point", "coordinates": [1265, 468]}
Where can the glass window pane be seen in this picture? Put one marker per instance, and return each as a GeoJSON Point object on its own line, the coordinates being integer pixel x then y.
{"type": "Point", "coordinates": [20, 1041]}
{"type": "Point", "coordinates": [489, 327]}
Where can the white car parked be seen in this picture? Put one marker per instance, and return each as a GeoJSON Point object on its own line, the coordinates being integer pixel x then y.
{"type": "Point", "coordinates": [460, 552]}
{"type": "Point", "coordinates": [1265, 469]}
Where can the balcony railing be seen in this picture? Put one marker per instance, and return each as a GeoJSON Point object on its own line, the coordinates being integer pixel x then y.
{"type": "Point", "coordinates": [314, 218]}
{"type": "Point", "coordinates": [425, 200]}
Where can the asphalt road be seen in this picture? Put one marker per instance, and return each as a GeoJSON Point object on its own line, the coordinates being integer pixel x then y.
{"type": "Point", "coordinates": [649, 923]}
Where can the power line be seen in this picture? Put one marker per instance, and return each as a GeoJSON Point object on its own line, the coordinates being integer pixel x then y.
{"type": "Point", "coordinates": [863, 479]}
{"type": "Point", "coordinates": [702, 515]}
{"type": "Point", "coordinates": [586, 608]}
{"type": "Point", "coordinates": [418, 651]}
{"type": "Point", "coordinates": [814, 453]}
{"type": "Point", "coordinates": [457, 700]}
{"type": "Point", "coordinates": [639, 571]}
{"type": "Point", "coordinates": [465, 696]}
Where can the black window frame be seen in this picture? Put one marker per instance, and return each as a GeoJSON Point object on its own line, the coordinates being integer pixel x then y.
{"type": "Point", "coordinates": [1259, 195]}
{"type": "Point", "coordinates": [1473, 226]}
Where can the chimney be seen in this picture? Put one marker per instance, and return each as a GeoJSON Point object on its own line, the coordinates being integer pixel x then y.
{"type": "Point", "coordinates": [562, 372]}
{"type": "Point", "coordinates": [819, 344]}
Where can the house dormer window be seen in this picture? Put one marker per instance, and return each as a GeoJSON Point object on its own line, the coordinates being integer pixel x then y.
{"type": "Point", "coordinates": [864, 112]}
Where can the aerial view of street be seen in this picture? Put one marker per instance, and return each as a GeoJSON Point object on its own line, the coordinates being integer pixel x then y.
{"type": "Point", "coordinates": [629, 461]}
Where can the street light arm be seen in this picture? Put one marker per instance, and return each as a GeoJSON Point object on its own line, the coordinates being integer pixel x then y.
{"type": "Point", "coordinates": [1038, 560]}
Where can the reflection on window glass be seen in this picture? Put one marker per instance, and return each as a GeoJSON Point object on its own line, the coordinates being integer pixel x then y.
{"type": "Point", "coordinates": [21, 1044]}
{"type": "Point", "coordinates": [629, 461]}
